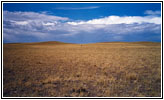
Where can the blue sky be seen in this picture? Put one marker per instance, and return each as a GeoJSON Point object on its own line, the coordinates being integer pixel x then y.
{"type": "Point", "coordinates": [81, 22]}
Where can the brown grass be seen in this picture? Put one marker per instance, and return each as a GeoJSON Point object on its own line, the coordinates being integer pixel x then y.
{"type": "Point", "coordinates": [56, 69]}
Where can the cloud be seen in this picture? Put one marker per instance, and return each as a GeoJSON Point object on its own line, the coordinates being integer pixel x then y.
{"type": "Point", "coordinates": [30, 16]}
{"type": "Point", "coordinates": [21, 22]}
{"type": "Point", "coordinates": [150, 12]}
{"type": "Point", "coordinates": [116, 28]}
{"type": "Point", "coordinates": [121, 20]}
{"type": "Point", "coordinates": [77, 8]}
{"type": "Point", "coordinates": [49, 24]}
{"type": "Point", "coordinates": [32, 26]}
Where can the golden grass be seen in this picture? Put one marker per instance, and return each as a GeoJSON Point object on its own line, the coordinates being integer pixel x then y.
{"type": "Point", "coordinates": [54, 69]}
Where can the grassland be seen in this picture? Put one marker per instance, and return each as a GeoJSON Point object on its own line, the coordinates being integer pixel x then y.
{"type": "Point", "coordinates": [54, 69]}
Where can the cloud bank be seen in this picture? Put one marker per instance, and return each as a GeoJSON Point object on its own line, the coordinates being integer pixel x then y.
{"type": "Point", "coordinates": [32, 27]}
{"type": "Point", "coordinates": [121, 20]}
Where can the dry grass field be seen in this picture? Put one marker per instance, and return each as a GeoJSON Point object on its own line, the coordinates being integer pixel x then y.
{"type": "Point", "coordinates": [54, 69]}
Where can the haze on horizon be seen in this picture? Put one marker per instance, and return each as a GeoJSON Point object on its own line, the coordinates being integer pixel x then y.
{"type": "Point", "coordinates": [81, 22]}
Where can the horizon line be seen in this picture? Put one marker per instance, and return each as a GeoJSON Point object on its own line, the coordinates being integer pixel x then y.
{"type": "Point", "coordinates": [82, 43]}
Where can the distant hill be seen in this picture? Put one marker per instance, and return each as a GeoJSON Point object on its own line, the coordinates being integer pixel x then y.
{"type": "Point", "coordinates": [129, 42]}
{"type": "Point", "coordinates": [48, 42]}
{"type": "Point", "coordinates": [58, 43]}
{"type": "Point", "coordinates": [41, 43]}
{"type": "Point", "coordinates": [144, 43]}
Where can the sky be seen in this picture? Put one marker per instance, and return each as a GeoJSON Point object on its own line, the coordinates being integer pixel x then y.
{"type": "Point", "coordinates": [81, 22]}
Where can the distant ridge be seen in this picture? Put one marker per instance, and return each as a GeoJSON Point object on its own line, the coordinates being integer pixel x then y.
{"type": "Point", "coordinates": [49, 42]}
{"type": "Point", "coordinates": [130, 42]}
{"type": "Point", "coordinates": [42, 43]}
{"type": "Point", "coordinates": [58, 42]}
{"type": "Point", "coordinates": [143, 43]}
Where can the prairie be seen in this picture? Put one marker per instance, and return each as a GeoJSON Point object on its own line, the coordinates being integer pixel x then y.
{"type": "Point", "coordinates": [55, 69]}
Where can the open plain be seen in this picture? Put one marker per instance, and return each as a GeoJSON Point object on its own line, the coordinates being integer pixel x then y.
{"type": "Point", "coordinates": [55, 69]}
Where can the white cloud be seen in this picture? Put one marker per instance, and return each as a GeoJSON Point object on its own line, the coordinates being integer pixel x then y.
{"type": "Point", "coordinates": [22, 22]}
{"type": "Point", "coordinates": [121, 20]}
{"type": "Point", "coordinates": [50, 24]}
{"type": "Point", "coordinates": [77, 8]}
{"type": "Point", "coordinates": [30, 16]}
{"type": "Point", "coordinates": [150, 12]}
{"type": "Point", "coordinates": [44, 26]}
{"type": "Point", "coordinates": [29, 23]}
